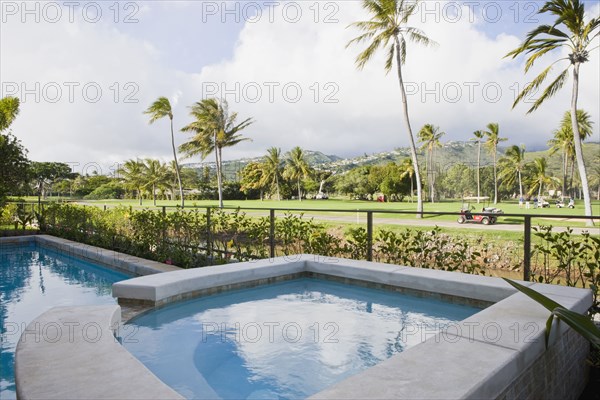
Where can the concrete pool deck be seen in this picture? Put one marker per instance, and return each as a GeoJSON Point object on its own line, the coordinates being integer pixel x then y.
{"type": "Point", "coordinates": [497, 353]}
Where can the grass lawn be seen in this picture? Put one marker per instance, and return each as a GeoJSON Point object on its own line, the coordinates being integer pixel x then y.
{"type": "Point", "coordinates": [349, 208]}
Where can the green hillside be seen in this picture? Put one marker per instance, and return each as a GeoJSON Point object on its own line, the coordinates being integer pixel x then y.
{"type": "Point", "coordinates": [451, 153]}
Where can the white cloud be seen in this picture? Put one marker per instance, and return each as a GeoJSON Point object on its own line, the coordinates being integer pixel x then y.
{"type": "Point", "coordinates": [271, 55]}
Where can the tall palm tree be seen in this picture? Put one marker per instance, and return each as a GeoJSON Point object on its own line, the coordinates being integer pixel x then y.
{"type": "Point", "coordinates": [512, 166]}
{"type": "Point", "coordinates": [297, 168]}
{"type": "Point", "coordinates": [493, 138]}
{"type": "Point", "coordinates": [540, 177]}
{"type": "Point", "coordinates": [214, 128]}
{"type": "Point", "coordinates": [133, 174]}
{"type": "Point", "coordinates": [430, 136]}
{"type": "Point", "coordinates": [387, 30]}
{"type": "Point", "coordinates": [569, 31]}
{"type": "Point", "coordinates": [408, 169]}
{"type": "Point", "coordinates": [159, 109]}
{"type": "Point", "coordinates": [156, 175]}
{"type": "Point", "coordinates": [273, 169]}
{"type": "Point", "coordinates": [9, 109]}
{"type": "Point", "coordinates": [563, 141]}
{"type": "Point", "coordinates": [478, 138]}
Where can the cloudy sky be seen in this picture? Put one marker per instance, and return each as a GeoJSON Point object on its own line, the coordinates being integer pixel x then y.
{"type": "Point", "coordinates": [85, 72]}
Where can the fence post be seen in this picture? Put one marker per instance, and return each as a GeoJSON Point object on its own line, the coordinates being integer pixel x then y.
{"type": "Point", "coordinates": [208, 235]}
{"type": "Point", "coordinates": [527, 248]}
{"type": "Point", "coordinates": [272, 233]}
{"type": "Point", "coordinates": [369, 235]}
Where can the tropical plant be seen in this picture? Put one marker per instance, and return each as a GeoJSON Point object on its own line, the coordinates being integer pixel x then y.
{"type": "Point", "coordinates": [479, 135]}
{"type": "Point", "coordinates": [387, 30]}
{"type": "Point", "coordinates": [493, 138]}
{"type": "Point", "coordinates": [570, 32]}
{"type": "Point", "coordinates": [541, 177]}
{"type": "Point", "coordinates": [132, 173]}
{"type": "Point", "coordinates": [159, 109]}
{"type": "Point", "coordinates": [155, 175]}
{"type": "Point", "coordinates": [214, 128]}
{"type": "Point", "coordinates": [512, 166]}
{"type": "Point", "coordinates": [563, 142]}
{"type": "Point", "coordinates": [430, 136]}
{"type": "Point", "coordinates": [9, 109]}
{"type": "Point", "coordinates": [252, 178]}
{"type": "Point", "coordinates": [580, 323]}
{"type": "Point", "coordinates": [273, 169]}
{"type": "Point", "coordinates": [408, 169]}
{"type": "Point", "coordinates": [297, 168]}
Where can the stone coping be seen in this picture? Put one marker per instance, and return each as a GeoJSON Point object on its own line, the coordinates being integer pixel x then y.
{"type": "Point", "coordinates": [72, 353]}
{"type": "Point", "coordinates": [158, 290]}
{"type": "Point", "coordinates": [111, 259]}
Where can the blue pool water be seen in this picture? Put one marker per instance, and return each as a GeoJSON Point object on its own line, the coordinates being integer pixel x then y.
{"type": "Point", "coordinates": [287, 340]}
{"type": "Point", "coordinates": [34, 279]}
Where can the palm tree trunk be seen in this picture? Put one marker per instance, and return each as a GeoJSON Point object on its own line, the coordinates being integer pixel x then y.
{"type": "Point", "coordinates": [564, 188]}
{"type": "Point", "coordinates": [520, 186]}
{"type": "Point", "coordinates": [140, 195]}
{"type": "Point", "coordinates": [299, 192]}
{"type": "Point", "coordinates": [154, 194]}
{"type": "Point", "coordinates": [413, 149]}
{"type": "Point", "coordinates": [478, 169]}
{"type": "Point", "coordinates": [277, 187]}
{"type": "Point", "coordinates": [495, 177]}
{"type": "Point", "coordinates": [578, 147]}
{"type": "Point", "coordinates": [218, 166]}
{"type": "Point", "coordinates": [177, 167]}
{"type": "Point", "coordinates": [572, 177]}
{"type": "Point", "coordinates": [431, 175]}
{"type": "Point", "coordinates": [220, 178]}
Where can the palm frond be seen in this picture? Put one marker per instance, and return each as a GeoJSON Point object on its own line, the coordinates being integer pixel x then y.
{"type": "Point", "coordinates": [551, 90]}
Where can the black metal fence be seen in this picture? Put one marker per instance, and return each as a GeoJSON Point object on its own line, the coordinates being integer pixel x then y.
{"type": "Point", "coordinates": [368, 224]}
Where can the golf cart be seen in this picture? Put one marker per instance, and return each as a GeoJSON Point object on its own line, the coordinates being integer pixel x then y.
{"type": "Point", "coordinates": [541, 203]}
{"type": "Point", "coordinates": [490, 216]}
{"type": "Point", "coordinates": [560, 203]}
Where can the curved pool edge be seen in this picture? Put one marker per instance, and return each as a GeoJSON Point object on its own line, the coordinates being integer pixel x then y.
{"type": "Point", "coordinates": [72, 353]}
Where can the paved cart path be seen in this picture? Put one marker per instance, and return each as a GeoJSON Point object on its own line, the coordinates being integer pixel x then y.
{"type": "Point", "coordinates": [431, 222]}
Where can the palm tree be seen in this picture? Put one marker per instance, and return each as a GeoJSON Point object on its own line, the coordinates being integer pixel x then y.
{"type": "Point", "coordinates": [272, 168]}
{"type": "Point", "coordinates": [493, 134]}
{"type": "Point", "coordinates": [563, 141]}
{"type": "Point", "coordinates": [156, 175]}
{"type": "Point", "coordinates": [512, 166]}
{"type": "Point", "coordinates": [214, 129]}
{"type": "Point", "coordinates": [387, 30]}
{"type": "Point", "coordinates": [569, 31]}
{"type": "Point", "coordinates": [540, 177]}
{"type": "Point", "coordinates": [159, 109]}
{"type": "Point", "coordinates": [408, 169]}
{"type": "Point", "coordinates": [297, 168]}
{"type": "Point", "coordinates": [478, 137]}
{"type": "Point", "coordinates": [9, 109]}
{"type": "Point", "coordinates": [133, 174]}
{"type": "Point", "coordinates": [430, 136]}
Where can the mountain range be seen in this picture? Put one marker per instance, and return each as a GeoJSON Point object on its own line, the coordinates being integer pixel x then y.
{"type": "Point", "coordinates": [450, 153]}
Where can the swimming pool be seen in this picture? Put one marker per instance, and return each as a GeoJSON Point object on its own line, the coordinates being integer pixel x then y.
{"type": "Point", "coordinates": [33, 279]}
{"type": "Point", "coordinates": [283, 340]}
